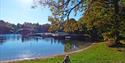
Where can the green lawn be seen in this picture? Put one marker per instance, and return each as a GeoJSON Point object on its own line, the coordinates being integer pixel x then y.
{"type": "Point", "coordinates": [98, 53]}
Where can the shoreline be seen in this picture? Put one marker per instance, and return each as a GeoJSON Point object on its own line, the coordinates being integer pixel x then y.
{"type": "Point", "coordinates": [45, 57]}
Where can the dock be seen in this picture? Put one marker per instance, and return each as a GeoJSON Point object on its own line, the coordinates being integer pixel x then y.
{"type": "Point", "coordinates": [59, 35]}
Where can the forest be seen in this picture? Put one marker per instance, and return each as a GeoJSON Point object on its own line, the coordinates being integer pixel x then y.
{"type": "Point", "coordinates": [8, 28]}
{"type": "Point", "coordinates": [101, 19]}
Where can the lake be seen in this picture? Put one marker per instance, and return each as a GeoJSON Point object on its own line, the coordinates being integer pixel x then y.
{"type": "Point", "coordinates": [14, 46]}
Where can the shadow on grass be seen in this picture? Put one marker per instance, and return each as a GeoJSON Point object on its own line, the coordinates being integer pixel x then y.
{"type": "Point", "coordinates": [120, 47]}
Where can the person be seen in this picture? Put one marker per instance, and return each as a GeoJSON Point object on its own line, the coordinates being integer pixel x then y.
{"type": "Point", "coordinates": [66, 59]}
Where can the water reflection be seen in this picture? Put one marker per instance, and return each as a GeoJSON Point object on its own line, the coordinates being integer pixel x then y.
{"type": "Point", "coordinates": [2, 40]}
{"type": "Point", "coordinates": [69, 45]}
{"type": "Point", "coordinates": [27, 47]}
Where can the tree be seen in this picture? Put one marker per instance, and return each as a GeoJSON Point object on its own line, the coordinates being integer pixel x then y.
{"type": "Point", "coordinates": [56, 24]}
{"type": "Point", "coordinates": [43, 28]}
{"type": "Point", "coordinates": [73, 26]}
{"type": "Point", "coordinates": [5, 27]}
{"type": "Point", "coordinates": [63, 8]}
{"type": "Point", "coordinates": [104, 15]}
{"type": "Point", "coordinates": [108, 18]}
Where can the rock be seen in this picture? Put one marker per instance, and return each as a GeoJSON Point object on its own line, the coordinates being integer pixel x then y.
{"type": "Point", "coordinates": [66, 59]}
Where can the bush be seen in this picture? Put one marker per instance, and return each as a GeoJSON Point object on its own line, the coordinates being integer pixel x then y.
{"type": "Point", "coordinates": [109, 39]}
{"type": "Point", "coordinates": [110, 42]}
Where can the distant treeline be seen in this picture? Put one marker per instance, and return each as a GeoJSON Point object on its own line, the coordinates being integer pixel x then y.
{"type": "Point", "coordinates": [7, 28]}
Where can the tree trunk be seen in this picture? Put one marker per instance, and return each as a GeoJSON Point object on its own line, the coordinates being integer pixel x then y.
{"type": "Point", "coordinates": [116, 14]}
{"type": "Point", "coordinates": [117, 39]}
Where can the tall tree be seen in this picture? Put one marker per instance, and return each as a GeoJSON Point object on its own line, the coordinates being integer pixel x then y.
{"type": "Point", "coordinates": [63, 8]}
{"type": "Point", "coordinates": [71, 26]}
{"type": "Point", "coordinates": [55, 24]}
{"type": "Point", "coordinates": [5, 27]}
{"type": "Point", "coordinates": [104, 15]}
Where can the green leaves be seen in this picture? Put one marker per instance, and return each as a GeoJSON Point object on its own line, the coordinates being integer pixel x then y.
{"type": "Point", "coordinates": [101, 14]}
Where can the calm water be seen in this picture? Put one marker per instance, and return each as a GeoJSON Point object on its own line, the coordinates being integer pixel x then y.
{"type": "Point", "coordinates": [14, 46]}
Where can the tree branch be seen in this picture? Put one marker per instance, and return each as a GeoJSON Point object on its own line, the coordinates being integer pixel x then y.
{"type": "Point", "coordinates": [68, 13]}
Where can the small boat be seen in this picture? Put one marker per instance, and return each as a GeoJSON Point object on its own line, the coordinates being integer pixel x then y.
{"type": "Point", "coordinates": [67, 37]}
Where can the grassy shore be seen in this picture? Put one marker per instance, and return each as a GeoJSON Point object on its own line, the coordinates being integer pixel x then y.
{"type": "Point", "coordinates": [97, 53]}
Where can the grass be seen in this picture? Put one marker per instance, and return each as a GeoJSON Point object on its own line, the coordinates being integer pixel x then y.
{"type": "Point", "coordinates": [97, 53]}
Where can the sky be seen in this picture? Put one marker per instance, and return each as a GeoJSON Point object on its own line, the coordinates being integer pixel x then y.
{"type": "Point", "coordinates": [20, 11]}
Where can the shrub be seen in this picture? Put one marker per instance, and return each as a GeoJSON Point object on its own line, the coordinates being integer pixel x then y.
{"type": "Point", "coordinates": [109, 39]}
{"type": "Point", "coordinates": [110, 42]}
